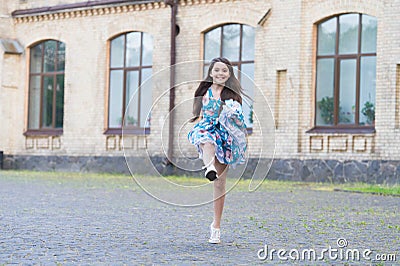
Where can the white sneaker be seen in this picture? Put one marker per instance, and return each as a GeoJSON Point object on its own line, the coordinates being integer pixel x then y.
{"type": "Point", "coordinates": [215, 237]}
{"type": "Point", "coordinates": [211, 173]}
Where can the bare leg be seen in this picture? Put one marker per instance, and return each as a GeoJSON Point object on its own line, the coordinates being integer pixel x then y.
{"type": "Point", "coordinates": [219, 192]}
{"type": "Point", "coordinates": [219, 184]}
{"type": "Point", "coordinates": [208, 153]}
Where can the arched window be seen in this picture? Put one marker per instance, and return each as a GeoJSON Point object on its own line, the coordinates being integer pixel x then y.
{"type": "Point", "coordinates": [46, 86]}
{"type": "Point", "coordinates": [346, 71]}
{"type": "Point", "coordinates": [236, 43]}
{"type": "Point", "coordinates": [130, 96]}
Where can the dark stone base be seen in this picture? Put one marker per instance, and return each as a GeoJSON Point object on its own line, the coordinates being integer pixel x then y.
{"type": "Point", "coordinates": [315, 170]}
{"type": "Point", "coordinates": [66, 163]}
{"type": "Point", "coordinates": [334, 171]}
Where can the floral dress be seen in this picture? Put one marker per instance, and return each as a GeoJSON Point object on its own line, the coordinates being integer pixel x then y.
{"type": "Point", "coordinates": [225, 129]}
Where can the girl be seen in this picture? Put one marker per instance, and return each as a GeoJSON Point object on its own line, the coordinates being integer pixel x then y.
{"type": "Point", "coordinates": [220, 134]}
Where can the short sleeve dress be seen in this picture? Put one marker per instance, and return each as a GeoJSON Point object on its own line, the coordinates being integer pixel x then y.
{"type": "Point", "coordinates": [224, 128]}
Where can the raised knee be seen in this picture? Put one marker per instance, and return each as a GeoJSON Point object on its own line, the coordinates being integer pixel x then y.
{"type": "Point", "coordinates": [219, 184]}
{"type": "Point", "coordinates": [208, 145]}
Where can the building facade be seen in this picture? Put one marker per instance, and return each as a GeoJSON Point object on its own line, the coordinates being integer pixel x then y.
{"type": "Point", "coordinates": [84, 83]}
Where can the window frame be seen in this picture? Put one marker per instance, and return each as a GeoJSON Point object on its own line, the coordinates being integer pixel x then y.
{"type": "Point", "coordinates": [336, 127]}
{"type": "Point", "coordinates": [134, 130]}
{"type": "Point", "coordinates": [53, 130]}
{"type": "Point", "coordinates": [238, 63]}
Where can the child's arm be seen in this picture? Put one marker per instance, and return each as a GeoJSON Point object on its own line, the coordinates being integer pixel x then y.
{"type": "Point", "coordinates": [199, 117]}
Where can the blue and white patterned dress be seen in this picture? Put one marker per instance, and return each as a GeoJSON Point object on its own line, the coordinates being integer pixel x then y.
{"type": "Point", "coordinates": [225, 129]}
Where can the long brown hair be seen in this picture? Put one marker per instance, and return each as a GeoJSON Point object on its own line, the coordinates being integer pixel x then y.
{"type": "Point", "coordinates": [232, 88]}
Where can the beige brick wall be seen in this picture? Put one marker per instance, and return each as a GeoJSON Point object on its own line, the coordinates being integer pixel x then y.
{"type": "Point", "coordinates": [86, 75]}
{"type": "Point", "coordinates": [379, 145]}
{"type": "Point", "coordinates": [284, 74]}
{"type": "Point", "coordinates": [11, 75]}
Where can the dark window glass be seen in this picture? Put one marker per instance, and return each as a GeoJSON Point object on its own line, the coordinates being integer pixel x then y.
{"type": "Point", "coordinates": [47, 101]}
{"type": "Point", "coordinates": [46, 86]}
{"type": "Point", "coordinates": [59, 100]}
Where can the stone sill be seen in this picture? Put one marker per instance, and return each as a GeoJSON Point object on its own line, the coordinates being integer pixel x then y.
{"type": "Point", "coordinates": [43, 132]}
{"type": "Point", "coordinates": [342, 130]}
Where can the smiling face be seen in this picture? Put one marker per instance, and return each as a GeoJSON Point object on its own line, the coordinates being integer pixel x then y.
{"type": "Point", "coordinates": [220, 73]}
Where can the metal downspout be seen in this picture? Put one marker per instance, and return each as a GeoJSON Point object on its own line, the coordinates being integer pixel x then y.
{"type": "Point", "coordinates": [174, 9]}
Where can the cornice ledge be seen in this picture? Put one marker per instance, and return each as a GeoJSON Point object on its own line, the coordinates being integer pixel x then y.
{"type": "Point", "coordinates": [76, 11]}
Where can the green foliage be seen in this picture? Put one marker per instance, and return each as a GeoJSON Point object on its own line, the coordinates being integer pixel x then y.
{"type": "Point", "coordinates": [369, 111]}
{"type": "Point", "coordinates": [374, 189]}
{"type": "Point", "coordinates": [326, 105]}
{"type": "Point", "coordinates": [130, 120]}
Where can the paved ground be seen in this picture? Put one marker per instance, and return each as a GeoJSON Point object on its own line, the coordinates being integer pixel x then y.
{"type": "Point", "coordinates": [66, 219]}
